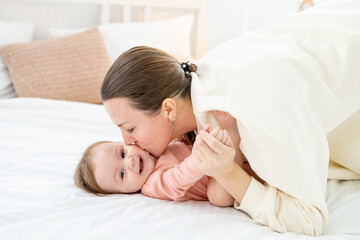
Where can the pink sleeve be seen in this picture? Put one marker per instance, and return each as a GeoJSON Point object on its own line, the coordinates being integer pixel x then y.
{"type": "Point", "coordinates": [174, 182]}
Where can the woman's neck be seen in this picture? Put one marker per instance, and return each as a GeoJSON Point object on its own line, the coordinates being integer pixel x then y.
{"type": "Point", "coordinates": [185, 118]}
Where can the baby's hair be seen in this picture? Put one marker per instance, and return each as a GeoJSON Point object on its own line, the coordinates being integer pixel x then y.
{"type": "Point", "coordinates": [84, 176]}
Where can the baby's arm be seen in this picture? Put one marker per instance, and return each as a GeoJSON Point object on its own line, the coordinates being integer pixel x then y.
{"type": "Point", "coordinates": [171, 181]}
{"type": "Point", "coordinates": [216, 194]}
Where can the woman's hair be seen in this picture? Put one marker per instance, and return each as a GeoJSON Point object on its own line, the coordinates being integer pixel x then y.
{"type": "Point", "coordinates": [84, 175]}
{"type": "Point", "coordinates": [146, 77]}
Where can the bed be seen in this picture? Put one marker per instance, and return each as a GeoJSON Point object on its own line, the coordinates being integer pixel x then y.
{"type": "Point", "coordinates": [41, 142]}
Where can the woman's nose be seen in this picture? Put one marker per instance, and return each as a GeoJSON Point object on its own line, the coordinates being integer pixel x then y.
{"type": "Point", "coordinates": [128, 140]}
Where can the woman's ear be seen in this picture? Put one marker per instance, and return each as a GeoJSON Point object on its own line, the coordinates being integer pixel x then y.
{"type": "Point", "coordinates": [169, 108]}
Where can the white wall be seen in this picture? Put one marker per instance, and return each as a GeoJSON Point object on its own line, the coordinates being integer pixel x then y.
{"type": "Point", "coordinates": [45, 15]}
{"type": "Point", "coordinates": [226, 19]}
{"type": "Point", "coordinates": [219, 20]}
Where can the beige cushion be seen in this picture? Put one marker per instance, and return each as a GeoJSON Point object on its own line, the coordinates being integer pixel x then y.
{"type": "Point", "coordinates": [67, 68]}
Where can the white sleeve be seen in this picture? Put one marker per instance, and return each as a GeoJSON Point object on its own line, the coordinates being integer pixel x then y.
{"type": "Point", "coordinates": [283, 213]}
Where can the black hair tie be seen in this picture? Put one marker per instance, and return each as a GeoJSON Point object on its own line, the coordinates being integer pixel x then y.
{"type": "Point", "coordinates": [186, 67]}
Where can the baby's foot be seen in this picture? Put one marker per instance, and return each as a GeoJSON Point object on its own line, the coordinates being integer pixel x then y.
{"type": "Point", "coordinates": [229, 123]}
{"type": "Point", "coordinates": [225, 119]}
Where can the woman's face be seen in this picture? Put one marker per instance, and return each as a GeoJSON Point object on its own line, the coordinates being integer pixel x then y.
{"type": "Point", "coordinates": [119, 168]}
{"type": "Point", "coordinates": [151, 133]}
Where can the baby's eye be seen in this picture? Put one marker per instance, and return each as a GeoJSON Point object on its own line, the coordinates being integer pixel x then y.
{"type": "Point", "coordinates": [122, 173]}
{"type": "Point", "coordinates": [130, 130]}
{"type": "Point", "coordinates": [122, 153]}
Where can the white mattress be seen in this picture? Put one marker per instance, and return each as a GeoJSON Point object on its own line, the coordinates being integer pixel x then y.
{"type": "Point", "coordinates": [41, 142]}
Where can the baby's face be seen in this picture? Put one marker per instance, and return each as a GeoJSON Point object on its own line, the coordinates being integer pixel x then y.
{"type": "Point", "coordinates": [120, 168]}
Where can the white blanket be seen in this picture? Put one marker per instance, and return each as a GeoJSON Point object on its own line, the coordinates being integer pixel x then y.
{"type": "Point", "coordinates": [41, 141]}
{"type": "Point", "coordinates": [289, 86]}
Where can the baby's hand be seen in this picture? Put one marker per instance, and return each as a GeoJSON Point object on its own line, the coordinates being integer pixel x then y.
{"type": "Point", "coordinates": [214, 152]}
{"type": "Point", "coordinates": [221, 135]}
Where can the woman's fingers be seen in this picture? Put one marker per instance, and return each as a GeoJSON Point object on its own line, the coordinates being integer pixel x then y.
{"type": "Point", "coordinates": [213, 158]}
{"type": "Point", "coordinates": [199, 153]}
{"type": "Point", "coordinates": [227, 139]}
{"type": "Point", "coordinates": [221, 135]}
{"type": "Point", "coordinates": [212, 142]}
{"type": "Point", "coordinates": [203, 150]}
{"type": "Point", "coordinates": [225, 135]}
{"type": "Point", "coordinates": [204, 156]}
{"type": "Point", "coordinates": [214, 132]}
{"type": "Point", "coordinates": [207, 160]}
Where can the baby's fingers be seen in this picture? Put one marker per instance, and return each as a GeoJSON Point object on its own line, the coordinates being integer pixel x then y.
{"type": "Point", "coordinates": [211, 142]}
{"type": "Point", "coordinates": [215, 132]}
{"type": "Point", "coordinates": [219, 135]}
{"type": "Point", "coordinates": [226, 138]}
{"type": "Point", "coordinates": [207, 127]}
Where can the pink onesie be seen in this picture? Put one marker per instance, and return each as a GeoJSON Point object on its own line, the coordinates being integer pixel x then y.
{"type": "Point", "coordinates": [176, 176]}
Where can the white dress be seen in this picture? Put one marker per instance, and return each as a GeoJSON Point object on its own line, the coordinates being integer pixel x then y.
{"type": "Point", "coordinates": [294, 89]}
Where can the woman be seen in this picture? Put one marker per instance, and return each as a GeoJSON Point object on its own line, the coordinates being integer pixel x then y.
{"type": "Point", "coordinates": [291, 91]}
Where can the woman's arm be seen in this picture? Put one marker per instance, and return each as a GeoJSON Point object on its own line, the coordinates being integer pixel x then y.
{"type": "Point", "coordinates": [264, 203]}
{"type": "Point", "coordinates": [228, 122]}
{"type": "Point", "coordinates": [222, 167]}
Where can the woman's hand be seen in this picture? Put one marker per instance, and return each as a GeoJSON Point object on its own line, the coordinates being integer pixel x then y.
{"type": "Point", "coordinates": [214, 158]}
{"type": "Point", "coordinates": [228, 122]}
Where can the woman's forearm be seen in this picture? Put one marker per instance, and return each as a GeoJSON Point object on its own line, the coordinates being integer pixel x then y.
{"type": "Point", "coordinates": [251, 172]}
{"type": "Point", "coordinates": [235, 182]}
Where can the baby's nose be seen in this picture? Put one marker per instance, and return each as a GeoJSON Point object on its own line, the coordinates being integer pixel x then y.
{"type": "Point", "coordinates": [131, 163]}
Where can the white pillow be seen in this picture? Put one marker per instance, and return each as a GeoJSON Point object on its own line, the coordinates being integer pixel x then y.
{"type": "Point", "coordinates": [12, 32]}
{"type": "Point", "coordinates": [172, 35]}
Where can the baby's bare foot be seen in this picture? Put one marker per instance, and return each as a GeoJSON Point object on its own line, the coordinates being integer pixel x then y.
{"type": "Point", "coordinates": [229, 123]}
{"type": "Point", "coordinates": [225, 119]}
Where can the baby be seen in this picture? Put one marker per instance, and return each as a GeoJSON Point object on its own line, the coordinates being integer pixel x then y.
{"type": "Point", "coordinates": [113, 167]}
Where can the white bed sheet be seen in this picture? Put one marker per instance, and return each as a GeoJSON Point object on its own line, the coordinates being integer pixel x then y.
{"type": "Point", "coordinates": [41, 142]}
